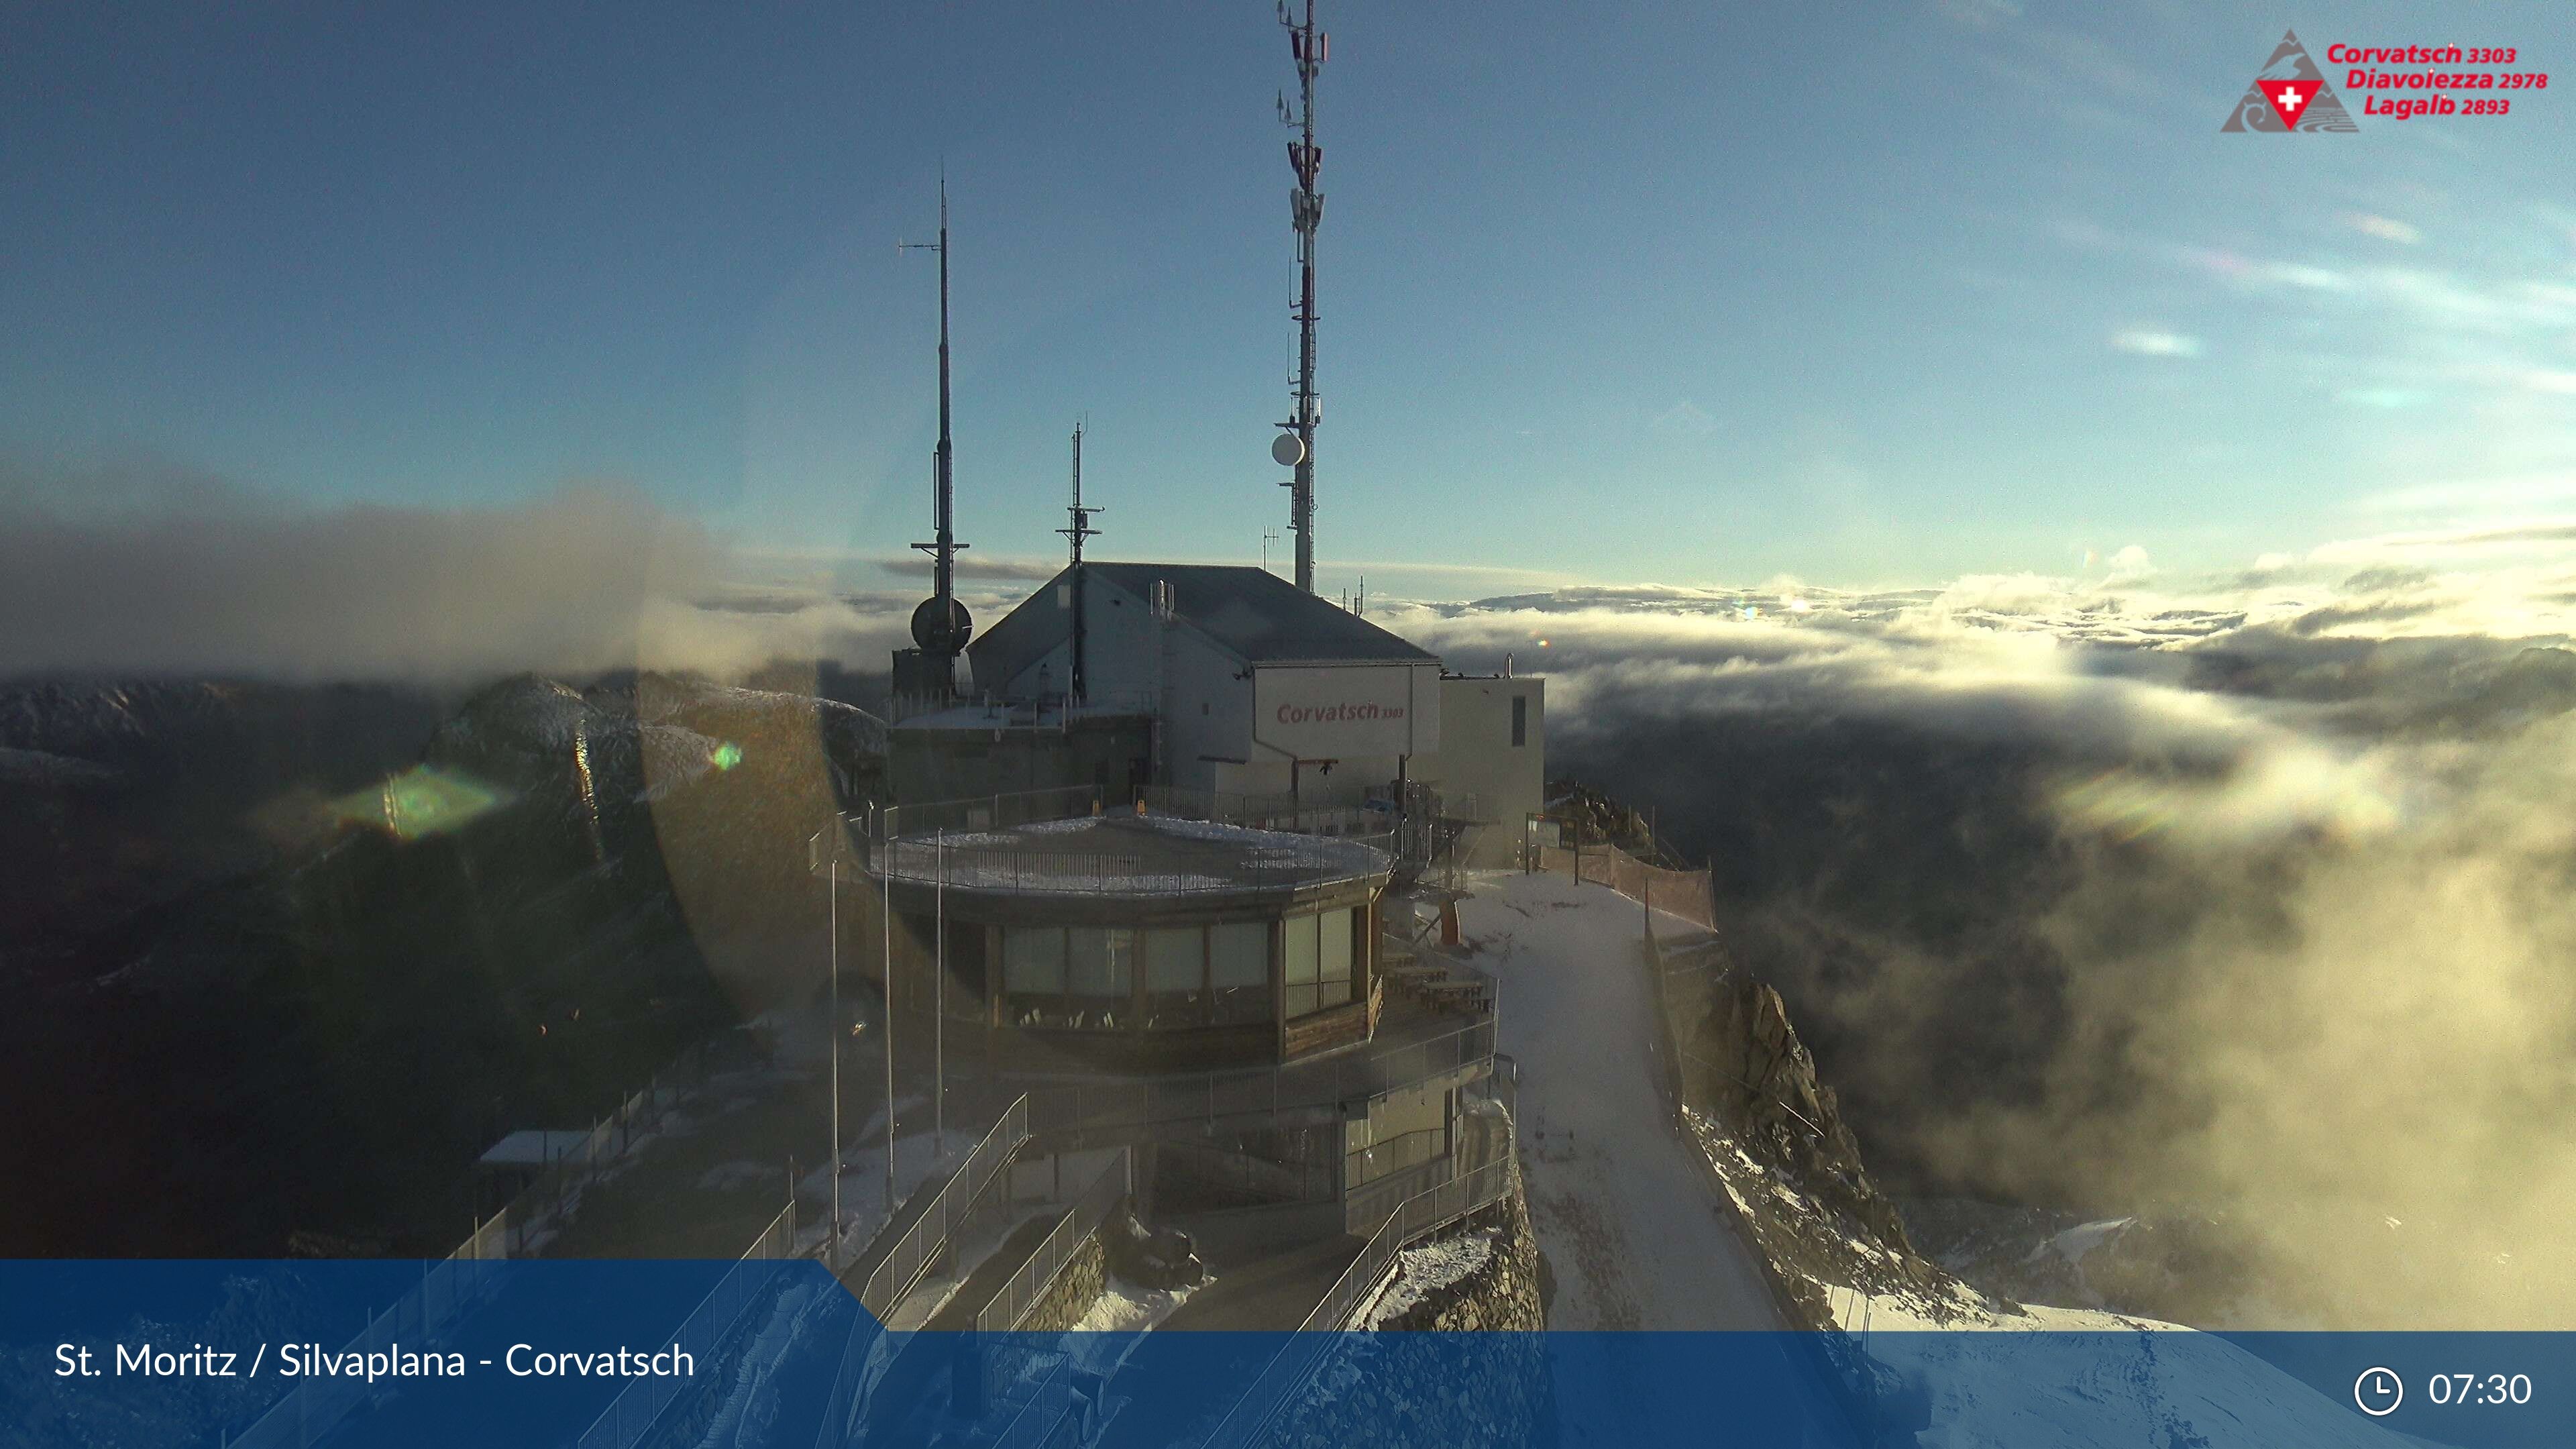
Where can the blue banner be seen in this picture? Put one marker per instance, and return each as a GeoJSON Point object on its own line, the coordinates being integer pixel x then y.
{"type": "Point", "coordinates": [612, 1355]}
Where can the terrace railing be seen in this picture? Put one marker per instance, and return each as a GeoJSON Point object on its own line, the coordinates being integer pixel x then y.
{"type": "Point", "coordinates": [1292, 861]}
{"type": "Point", "coordinates": [1076, 1105]}
{"type": "Point", "coordinates": [982, 812]}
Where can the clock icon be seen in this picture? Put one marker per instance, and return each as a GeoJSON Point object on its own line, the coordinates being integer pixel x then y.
{"type": "Point", "coordinates": [2378, 1392]}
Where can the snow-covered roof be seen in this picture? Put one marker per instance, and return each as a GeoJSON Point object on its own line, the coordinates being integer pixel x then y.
{"type": "Point", "coordinates": [1132, 855]}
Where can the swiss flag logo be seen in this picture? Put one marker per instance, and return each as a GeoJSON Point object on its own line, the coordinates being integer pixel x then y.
{"type": "Point", "coordinates": [2289, 98]}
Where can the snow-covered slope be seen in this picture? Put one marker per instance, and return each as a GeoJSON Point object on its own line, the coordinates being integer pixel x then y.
{"type": "Point", "coordinates": [1625, 1207]}
{"type": "Point", "coordinates": [1623, 1212]}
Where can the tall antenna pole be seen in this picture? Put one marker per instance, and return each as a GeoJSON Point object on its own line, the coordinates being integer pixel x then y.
{"type": "Point", "coordinates": [1080, 530]}
{"type": "Point", "coordinates": [1306, 211]}
{"type": "Point", "coordinates": [941, 626]}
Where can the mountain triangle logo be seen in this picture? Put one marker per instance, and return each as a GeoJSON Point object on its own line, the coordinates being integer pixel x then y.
{"type": "Point", "coordinates": [2290, 94]}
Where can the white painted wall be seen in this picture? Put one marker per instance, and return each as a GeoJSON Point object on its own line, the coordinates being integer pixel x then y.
{"type": "Point", "coordinates": [1478, 758]}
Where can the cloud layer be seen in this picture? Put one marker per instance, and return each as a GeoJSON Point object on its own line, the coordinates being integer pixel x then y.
{"type": "Point", "coordinates": [147, 569]}
{"type": "Point", "coordinates": [2246, 899]}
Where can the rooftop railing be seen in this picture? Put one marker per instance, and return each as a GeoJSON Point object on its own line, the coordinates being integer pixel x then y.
{"type": "Point", "coordinates": [998, 811]}
{"type": "Point", "coordinates": [1079, 1105]}
{"type": "Point", "coordinates": [1289, 862]}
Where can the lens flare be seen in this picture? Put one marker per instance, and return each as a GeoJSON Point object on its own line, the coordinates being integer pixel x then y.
{"type": "Point", "coordinates": [421, 801]}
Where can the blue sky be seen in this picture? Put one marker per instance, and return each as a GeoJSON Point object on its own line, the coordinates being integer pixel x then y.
{"type": "Point", "coordinates": [1881, 295]}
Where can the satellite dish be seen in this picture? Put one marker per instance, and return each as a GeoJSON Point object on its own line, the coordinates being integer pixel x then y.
{"type": "Point", "coordinates": [941, 631]}
{"type": "Point", "coordinates": [1287, 450]}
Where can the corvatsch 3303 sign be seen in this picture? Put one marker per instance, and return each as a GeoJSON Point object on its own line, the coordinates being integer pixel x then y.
{"type": "Point", "coordinates": [1345, 711]}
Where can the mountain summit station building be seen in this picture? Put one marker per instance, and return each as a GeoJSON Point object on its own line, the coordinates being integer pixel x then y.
{"type": "Point", "coordinates": [1231, 689]}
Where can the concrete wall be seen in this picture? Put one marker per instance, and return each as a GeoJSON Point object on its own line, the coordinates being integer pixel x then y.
{"type": "Point", "coordinates": [1477, 758]}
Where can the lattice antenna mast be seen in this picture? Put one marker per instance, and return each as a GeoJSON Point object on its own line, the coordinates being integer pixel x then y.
{"type": "Point", "coordinates": [1310, 46]}
{"type": "Point", "coordinates": [1081, 529]}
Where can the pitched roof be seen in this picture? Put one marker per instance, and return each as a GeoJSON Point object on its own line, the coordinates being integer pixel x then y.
{"type": "Point", "coordinates": [1252, 612]}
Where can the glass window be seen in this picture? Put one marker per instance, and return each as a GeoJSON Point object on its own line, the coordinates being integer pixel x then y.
{"type": "Point", "coordinates": [1100, 962]}
{"type": "Point", "coordinates": [1520, 721]}
{"type": "Point", "coordinates": [1175, 960]}
{"type": "Point", "coordinates": [1300, 956]}
{"type": "Point", "coordinates": [1301, 1000]}
{"type": "Point", "coordinates": [1239, 955]}
{"type": "Point", "coordinates": [1239, 971]}
{"type": "Point", "coordinates": [1033, 960]}
{"type": "Point", "coordinates": [1333, 963]}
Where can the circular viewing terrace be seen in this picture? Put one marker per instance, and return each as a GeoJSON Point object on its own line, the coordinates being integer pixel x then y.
{"type": "Point", "coordinates": [1136, 940]}
{"type": "Point", "coordinates": [1126, 855]}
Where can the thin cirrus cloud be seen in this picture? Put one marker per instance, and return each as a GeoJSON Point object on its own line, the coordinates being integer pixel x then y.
{"type": "Point", "coordinates": [2384, 228]}
{"type": "Point", "coordinates": [2152, 342]}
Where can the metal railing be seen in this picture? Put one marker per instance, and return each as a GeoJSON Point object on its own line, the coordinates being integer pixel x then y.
{"type": "Point", "coordinates": [1230, 806]}
{"type": "Point", "coordinates": [1045, 1406]}
{"type": "Point", "coordinates": [1395, 1154]}
{"type": "Point", "coordinates": [1011, 1303]}
{"type": "Point", "coordinates": [465, 1280]}
{"type": "Point", "coordinates": [1304, 1351]}
{"type": "Point", "coordinates": [1201, 1171]}
{"type": "Point", "coordinates": [1458, 984]}
{"type": "Point", "coordinates": [549, 1195]}
{"type": "Point", "coordinates": [315, 1406]}
{"type": "Point", "coordinates": [1290, 861]}
{"type": "Point", "coordinates": [903, 1263]}
{"type": "Point", "coordinates": [631, 1414]}
{"type": "Point", "coordinates": [907, 1256]}
{"type": "Point", "coordinates": [982, 812]}
{"type": "Point", "coordinates": [1418, 832]}
{"type": "Point", "coordinates": [1077, 1105]}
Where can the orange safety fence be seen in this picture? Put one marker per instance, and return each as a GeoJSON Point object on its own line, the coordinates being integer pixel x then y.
{"type": "Point", "coordinates": [1681, 893]}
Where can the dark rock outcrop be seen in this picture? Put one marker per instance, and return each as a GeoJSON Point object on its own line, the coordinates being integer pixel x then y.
{"type": "Point", "coordinates": [1151, 1257]}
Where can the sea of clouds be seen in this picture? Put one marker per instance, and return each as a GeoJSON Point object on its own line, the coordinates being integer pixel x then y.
{"type": "Point", "coordinates": [2246, 895]}
{"type": "Point", "coordinates": [2246, 898]}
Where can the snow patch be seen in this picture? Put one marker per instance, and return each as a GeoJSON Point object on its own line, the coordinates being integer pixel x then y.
{"type": "Point", "coordinates": [1425, 1269]}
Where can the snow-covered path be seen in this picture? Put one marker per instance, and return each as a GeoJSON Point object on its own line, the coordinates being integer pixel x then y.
{"type": "Point", "coordinates": [1626, 1214]}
